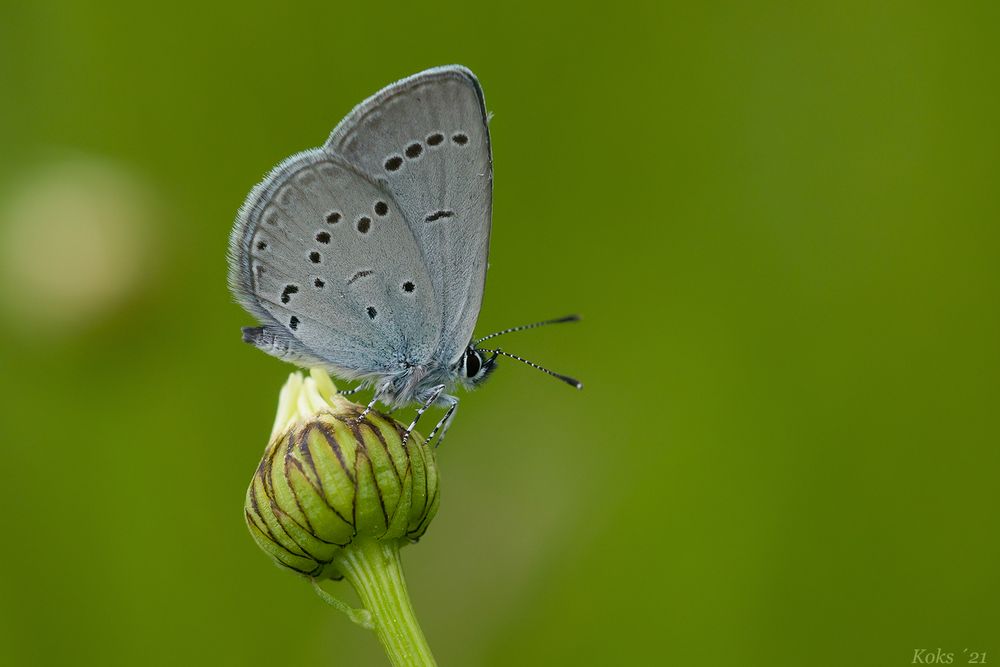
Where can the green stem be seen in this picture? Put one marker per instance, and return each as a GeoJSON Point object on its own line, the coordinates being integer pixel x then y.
{"type": "Point", "coordinates": [374, 569]}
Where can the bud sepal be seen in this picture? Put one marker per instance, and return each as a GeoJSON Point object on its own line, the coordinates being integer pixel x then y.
{"type": "Point", "coordinates": [326, 479]}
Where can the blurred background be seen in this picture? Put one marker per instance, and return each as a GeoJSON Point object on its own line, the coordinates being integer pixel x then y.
{"type": "Point", "coordinates": [780, 224]}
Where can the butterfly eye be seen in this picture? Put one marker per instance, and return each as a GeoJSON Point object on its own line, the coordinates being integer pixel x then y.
{"type": "Point", "coordinates": [472, 363]}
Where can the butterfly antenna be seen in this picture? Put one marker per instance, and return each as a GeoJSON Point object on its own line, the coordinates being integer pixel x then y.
{"type": "Point", "coordinates": [568, 318]}
{"type": "Point", "coordinates": [565, 378]}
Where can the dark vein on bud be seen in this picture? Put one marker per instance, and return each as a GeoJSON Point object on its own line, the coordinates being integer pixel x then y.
{"type": "Point", "coordinates": [256, 507]}
{"type": "Point", "coordinates": [307, 453]}
{"type": "Point", "coordinates": [331, 438]}
{"type": "Point", "coordinates": [363, 447]}
{"type": "Point", "coordinates": [422, 528]}
{"type": "Point", "coordinates": [274, 541]}
{"type": "Point", "coordinates": [385, 445]}
{"type": "Point", "coordinates": [276, 511]}
{"type": "Point", "coordinates": [258, 520]}
{"type": "Point", "coordinates": [309, 528]}
{"type": "Point", "coordinates": [295, 496]}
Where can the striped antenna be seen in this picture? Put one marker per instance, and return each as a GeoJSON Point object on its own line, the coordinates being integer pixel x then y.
{"type": "Point", "coordinates": [568, 318]}
{"type": "Point", "coordinates": [565, 378]}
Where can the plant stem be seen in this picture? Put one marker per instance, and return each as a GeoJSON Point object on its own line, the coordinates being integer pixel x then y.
{"type": "Point", "coordinates": [374, 569]}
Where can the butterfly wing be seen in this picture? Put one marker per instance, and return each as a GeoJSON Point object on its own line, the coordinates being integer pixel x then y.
{"type": "Point", "coordinates": [426, 139]}
{"type": "Point", "coordinates": [322, 255]}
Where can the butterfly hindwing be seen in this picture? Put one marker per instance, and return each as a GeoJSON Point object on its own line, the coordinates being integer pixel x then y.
{"type": "Point", "coordinates": [323, 256]}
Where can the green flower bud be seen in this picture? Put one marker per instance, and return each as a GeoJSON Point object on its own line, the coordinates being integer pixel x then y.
{"type": "Point", "coordinates": [326, 481]}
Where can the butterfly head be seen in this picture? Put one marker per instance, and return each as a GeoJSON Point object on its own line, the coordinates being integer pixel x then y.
{"type": "Point", "coordinates": [473, 367]}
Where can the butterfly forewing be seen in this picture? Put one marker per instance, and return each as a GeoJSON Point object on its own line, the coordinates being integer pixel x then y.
{"type": "Point", "coordinates": [426, 139]}
{"type": "Point", "coordinates": [333, 268]}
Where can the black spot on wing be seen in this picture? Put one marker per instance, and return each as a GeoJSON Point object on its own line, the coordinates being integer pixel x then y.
{"type": "Point", "coordinates": [286, 294]}
{"type": "Point", "coordinates": [437, 215]}
{"type": "Point", "coordinates": [359, 274]}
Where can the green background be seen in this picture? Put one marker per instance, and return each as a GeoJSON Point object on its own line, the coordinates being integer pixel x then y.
{"type": "Point", "coordinates": [780, 224]}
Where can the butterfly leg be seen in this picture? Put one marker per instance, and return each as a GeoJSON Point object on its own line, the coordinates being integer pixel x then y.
{"type": "Point", "coordinates": [445, 421]}
{"type": "Point", "coordinates": [348, 392]}
{"type": "Point", "coordinates": [368, 408]}
{"type": "Point", "coordinates": [435, 392]}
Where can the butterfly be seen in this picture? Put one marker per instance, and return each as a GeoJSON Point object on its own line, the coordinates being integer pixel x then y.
{"type": "Point", "coordinates": [367, 256]}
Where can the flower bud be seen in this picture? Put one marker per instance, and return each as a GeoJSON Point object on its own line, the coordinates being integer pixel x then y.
{"type": "Point", "coordinates": [325, 480]}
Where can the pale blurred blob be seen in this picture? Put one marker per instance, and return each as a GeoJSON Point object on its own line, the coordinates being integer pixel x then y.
{"type": "Point", "coordinates": [76, 241]}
